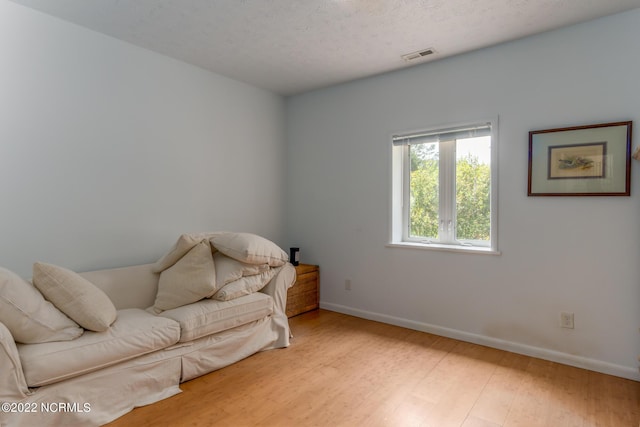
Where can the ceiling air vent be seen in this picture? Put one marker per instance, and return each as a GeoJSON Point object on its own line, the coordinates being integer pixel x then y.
{"type": "Point", "coordinates": [417, 55]}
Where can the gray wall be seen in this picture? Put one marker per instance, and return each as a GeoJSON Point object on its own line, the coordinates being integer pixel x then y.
{"type": "Point", "coordinates": [558, 254]}
{"type": "Point", "coordinates": [108, 152]}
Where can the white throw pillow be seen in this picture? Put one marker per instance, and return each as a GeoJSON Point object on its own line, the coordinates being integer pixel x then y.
{"type": "Point", "coordinates": [75, 296]}
{"type": "Point", "coordinates": [29, 317]}
{"type": "Point", "coordinates": [244, 286]}
{"type": "Point", "coordinates": [229, 269]}
{"type": "Point", "coordinates": [250, 248]}
{"type": "Point", "coordinates": [190, 279]}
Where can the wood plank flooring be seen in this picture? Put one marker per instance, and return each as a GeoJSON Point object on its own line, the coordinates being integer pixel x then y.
{"type": "Point", "coordinates": [345, 371]}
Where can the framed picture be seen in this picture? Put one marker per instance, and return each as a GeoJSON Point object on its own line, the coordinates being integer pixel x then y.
{"type": "Point", "coordinates": [592, 160]}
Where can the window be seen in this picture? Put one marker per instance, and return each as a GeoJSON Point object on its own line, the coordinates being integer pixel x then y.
{"type": "Point", "coordinates": [443, 190]}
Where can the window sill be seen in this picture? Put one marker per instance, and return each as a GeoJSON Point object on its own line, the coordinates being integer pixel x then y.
{"type": "Point", "coordinates": [445, 248]}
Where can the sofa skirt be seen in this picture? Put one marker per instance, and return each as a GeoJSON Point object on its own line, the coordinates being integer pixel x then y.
{"type": "Point", "coordinates": [99, 397]}
{"type": "Point", "coordinates": [102, 396]}
{"type": "Point", "coordinates": [216, 351]}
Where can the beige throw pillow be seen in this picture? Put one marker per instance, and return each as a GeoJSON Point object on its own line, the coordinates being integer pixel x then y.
{"type": "Point", "coordinates": [229, 269]}
{"type": "Point", "coordinates": [245, 286]}
{"type": "Point", "coordinates": [190, 279]}
{"type": "Point", "coordinates": [185, 243]}
{"type": "Point", "coordinates": [75, 296]}
{"type": "Point", "coordinates": [250, 248]}
{"type": "Point", "coordinates": [29, 317]}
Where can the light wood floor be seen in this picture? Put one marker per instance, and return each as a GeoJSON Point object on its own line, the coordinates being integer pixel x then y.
{"type": "Point", "coordinates": [345, 371]}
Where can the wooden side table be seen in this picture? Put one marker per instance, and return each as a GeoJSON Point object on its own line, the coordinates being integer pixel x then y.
{"type": "Point", "coordinates": [304, 295]}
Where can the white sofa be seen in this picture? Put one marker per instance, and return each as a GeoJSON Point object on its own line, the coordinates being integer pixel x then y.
{"type": "Point", "coordinates": [142, 357]}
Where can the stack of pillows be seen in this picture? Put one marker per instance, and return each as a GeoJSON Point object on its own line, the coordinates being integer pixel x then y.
{"type": "Point", "coordinates": [58, 306]}
{"type": "Point", "coordinates": [221, 266]}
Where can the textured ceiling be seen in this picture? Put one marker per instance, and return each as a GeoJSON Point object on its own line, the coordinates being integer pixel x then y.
{"type": "Point", "coordinates": [292, 46]}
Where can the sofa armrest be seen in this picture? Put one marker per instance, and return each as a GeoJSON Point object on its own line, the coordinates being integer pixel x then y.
{"type": "Point", "coordinates": [13, 386]}
{"type": "Point", "coordinates": [279, 284]}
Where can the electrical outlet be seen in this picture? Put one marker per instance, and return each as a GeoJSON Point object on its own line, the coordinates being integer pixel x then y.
{"type": "Point", "coordinates": [347, 285]}
{"type": "Point", "coordinates": [566, 320]}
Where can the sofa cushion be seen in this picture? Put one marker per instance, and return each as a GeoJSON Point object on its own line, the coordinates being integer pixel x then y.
{"type": "Point", "coordinates": [244, 285]}
{"type": "Point", "coordinates": [75, 296]}
{"type": "Point", "coordinates": [207, 317]}
{"type": "Point", "coordinates": [135, 332]}
{"type": "Point", "coordinates": [190, 279]}
{"type": "Point", "coordinates": [249, 248]}
{"type": "Point", "coordinates": [28, 316]}
{"type": "Point", "coordinates": [135, 286]}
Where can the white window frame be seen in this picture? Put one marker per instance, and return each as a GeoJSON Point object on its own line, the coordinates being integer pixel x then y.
{"type": "Point", "coordinates": [400, 172]}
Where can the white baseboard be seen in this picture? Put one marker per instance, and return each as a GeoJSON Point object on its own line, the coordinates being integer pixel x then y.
{"type": "Point", "coordinates": [538, 352]}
